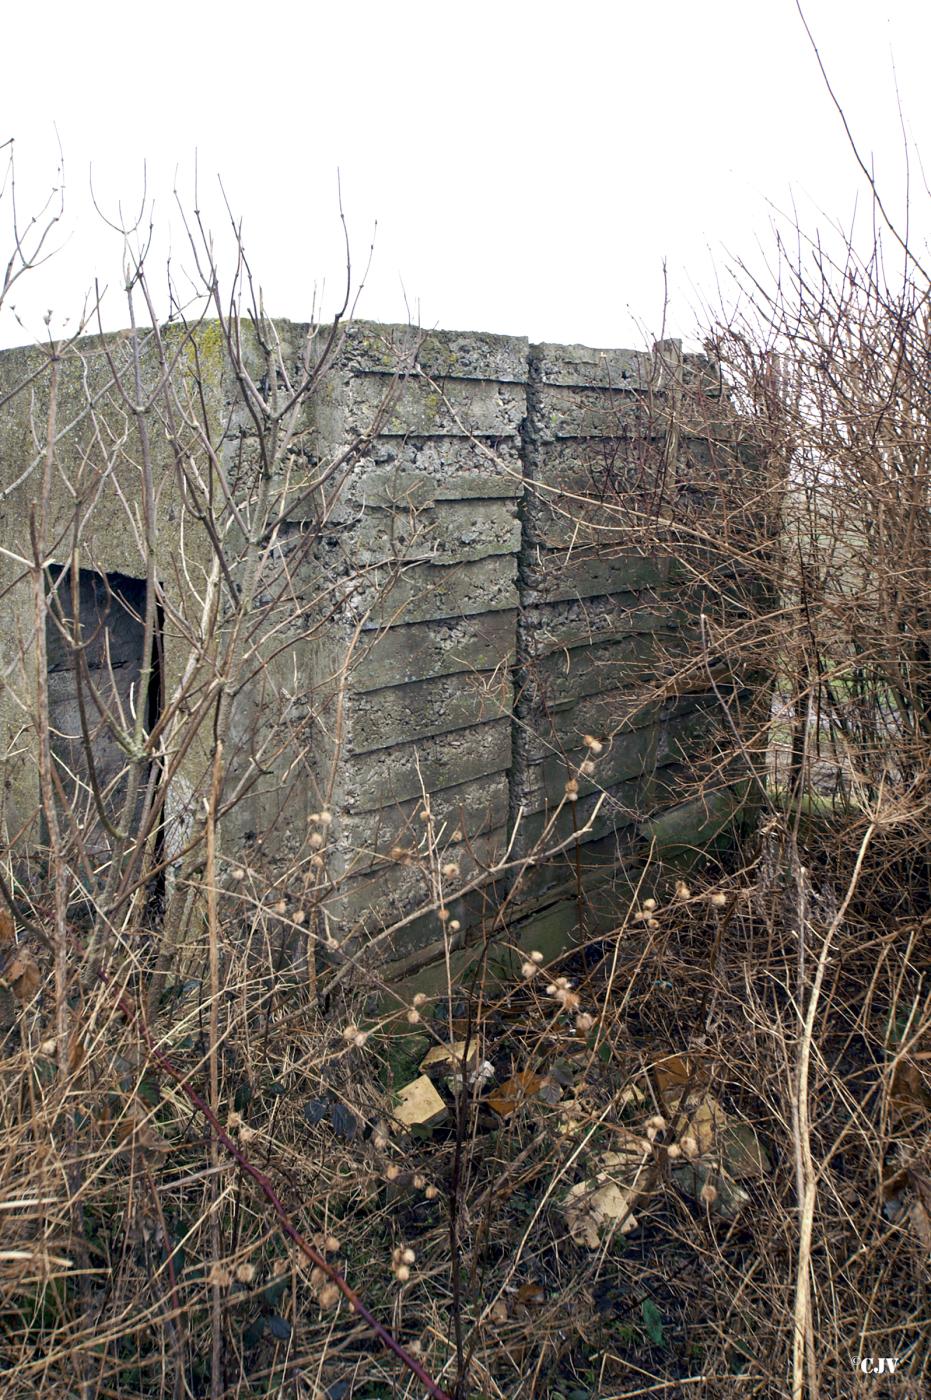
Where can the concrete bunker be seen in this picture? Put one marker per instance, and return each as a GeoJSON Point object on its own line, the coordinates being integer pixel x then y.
{"type": "Point", "coordinates": [498, 617]}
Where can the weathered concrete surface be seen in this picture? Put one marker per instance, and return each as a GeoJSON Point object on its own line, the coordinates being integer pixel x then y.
{"type": "Point", "coordinates": [470, 602]}
{"type": "Point", "coordinates": [94, 491]}
{"type": "Point", "coordinates": [398, 831]}
{"type": "Point", "coordinates": [447, 646]}
{"type": "Point", "coordinates": [388, 593]}
{"type": "Point", "coordinates": [602, 621]}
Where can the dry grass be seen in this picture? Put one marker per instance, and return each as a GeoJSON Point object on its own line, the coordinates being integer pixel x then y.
{"type": "Point", "coordinates": [119, 1232]}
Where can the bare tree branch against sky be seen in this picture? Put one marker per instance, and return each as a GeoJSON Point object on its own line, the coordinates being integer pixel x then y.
{"type": "Point", "coordinates": [530, 167]}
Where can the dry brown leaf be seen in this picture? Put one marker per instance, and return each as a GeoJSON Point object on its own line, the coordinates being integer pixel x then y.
{"type": "Point", "coordinates": [906, 1195]}
{"type": "Point", "coordinates": [22, 975]}
{"type": "Point", "coordinates": [894, 1183]}
{"type": "Point", "coordinates": [516, 1091]}
{"type": "Point", "coordinates": [909, 1090]}
{"type": "Point", "coordinates": [77, 1053]}
{"type": "Point", "coordinates": [141, 1133]}
{"type": "Point", "coordinates": [7, 928]}
{"type": "Point", "coordinates": [921, 1223]}
{"type": "Point", "coordinates": [676, 1073]}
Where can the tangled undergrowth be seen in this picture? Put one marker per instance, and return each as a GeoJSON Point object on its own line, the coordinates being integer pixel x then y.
{"type": "Point", "coordinates": [600, 1198]}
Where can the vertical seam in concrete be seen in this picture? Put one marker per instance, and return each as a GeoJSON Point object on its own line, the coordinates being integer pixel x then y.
{"type": "Point", "coordinates": [529, 458]}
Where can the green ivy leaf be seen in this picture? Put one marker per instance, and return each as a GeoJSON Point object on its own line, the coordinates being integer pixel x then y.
{"type": "Point", "coordinates": [149, 1091]}
{"type": "Point", "coordinates": [653, 1322]}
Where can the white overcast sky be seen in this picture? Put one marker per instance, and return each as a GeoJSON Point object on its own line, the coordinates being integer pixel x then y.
{"type": "Point", "coordinates": [530, 166]}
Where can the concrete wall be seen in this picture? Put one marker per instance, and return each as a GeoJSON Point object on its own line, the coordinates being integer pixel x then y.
{"type": "Point", "coordinates": [94, 479]}
{"type": "Point", "coordinates": [509, 615]}
{"type": "Point", "coordinates": [489, 614]}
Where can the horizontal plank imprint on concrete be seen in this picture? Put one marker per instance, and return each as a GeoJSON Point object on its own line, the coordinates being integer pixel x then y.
{"type": "Point", "coordinates": [425, 592]}
{"type": "Point", "coordinates": [415, 651]}
{"type": "Point", "coordinates": [386, 776]}
{"type": "Point", "coordinates": [400, 714]}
